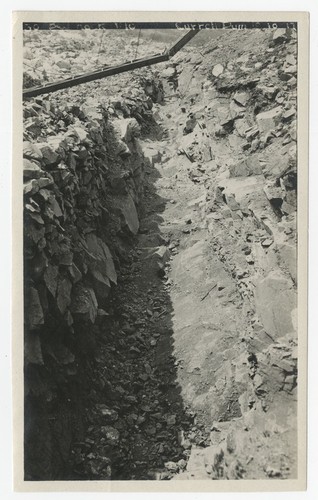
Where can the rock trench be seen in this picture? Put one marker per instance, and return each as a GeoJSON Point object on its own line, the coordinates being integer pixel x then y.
{"type": "Point", "coordinates": [160, 272]}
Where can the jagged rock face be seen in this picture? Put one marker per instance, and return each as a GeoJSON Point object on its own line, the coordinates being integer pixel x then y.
{"type": "Point", "coordinates": [160, 269]}
{"type": "Point", "coordinates": [246, 258]}
{"type": "Point", "coordinates": [83, 173]}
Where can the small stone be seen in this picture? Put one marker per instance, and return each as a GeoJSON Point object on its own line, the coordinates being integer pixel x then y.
{"type": "Point", "coordinates": [292, 82]}
{"type": "Point", "coordinates": [171, 420]}
{"type": "Point", "coordinates": [240, 273]}
{"type": "Point", "coordinates": [290, 113]}
{"type": "Point", "coordinates": [50, 157]}
{"type": "Point", "coordinates": [217, 70]}
{"type": "Point", "coordinates": [232, 203]}
{"type": "Point", "coordinates": [108, 414]}
{"type": "Point", "coordinates": [287, 140]}
{"type": "Point", "coordinates": [182, 464]}
{"type": "Point", "coordinates": [151, 431]}
{"type": "Point", "coordinates": [134, 350]}
{"type": "Point", "coordinates": [290, 59]}
{"type": "Point", "coordinates": [165, 476]}
{"type": "Point", "coordinates": [251, 133]}
{"type": "Point", "coordinates": [186, 444]}
{"type": "Point", "coordinates": [291, 70]}
{"type": "Point", "coordinates": [273, 193]}
{"type": "Point", "coordinates": [267, 242]}
{"type": "Point", "coordinates": [241, 126]}
{"type": "Point", "coordinates": [129, 329]}
{"type": "Point", "coordinates": [168, 72]}
{"type": "Point", "coordinates": [82, 133]}
{"type": "Point", "coordinates": [45, 182]}
{"type": "Point", "coordinates": [140, 420]}
{"type": "Point", "coordinates": [111, 434]}
{"type": "Point", "coordinates": [271, 472]}
{"type": "Point", "coordinates": [172, 466]}
{"type": "Point", "coordinates": [269, 92]}
{"type": "Point", "coordinates": [279, 99]}
{"type": "Point", "coordinates": [31, 187]}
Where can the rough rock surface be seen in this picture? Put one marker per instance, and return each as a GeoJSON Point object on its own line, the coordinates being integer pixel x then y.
{"type": "Point", "coordinates": [160, 269]}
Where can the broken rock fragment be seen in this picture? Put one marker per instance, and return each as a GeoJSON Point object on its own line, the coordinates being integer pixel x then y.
{"type": "Point", "coordinates": [31, 170]}
{"type": "Point", "coordinates": [241, 98]}
{"type": "Point", "coordinates": [31, 151]}
{"type": "Point", "coordinates": [128, 212]}
{"type": "Point", "coordinates": [241, 125]}
{"type": "Point", "coordinates": [274, 194]}
{"type": "Point", "coordinates": [100, 258]}
{"type": "Point", "coordinates": [268, 120]}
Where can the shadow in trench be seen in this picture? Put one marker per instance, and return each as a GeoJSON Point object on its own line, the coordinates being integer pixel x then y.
{"type": "Point", "coordinates": [138, 370]}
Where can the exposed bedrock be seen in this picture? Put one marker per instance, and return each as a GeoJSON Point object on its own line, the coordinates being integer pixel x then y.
{"type": "Point", "coordinates": [160, 269]}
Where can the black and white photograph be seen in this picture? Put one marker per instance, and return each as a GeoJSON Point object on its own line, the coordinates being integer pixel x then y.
{"type": "Point", "coordinates": [161, 260]}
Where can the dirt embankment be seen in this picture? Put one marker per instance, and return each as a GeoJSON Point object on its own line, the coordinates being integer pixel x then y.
{"type": "Point", "coordinates": [160, 269]}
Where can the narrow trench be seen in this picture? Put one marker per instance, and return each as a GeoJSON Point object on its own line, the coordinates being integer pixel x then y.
{"type": "Point", "coordinates": [186, 368]}
{"type": "Point", "coordinates": [142, 312]}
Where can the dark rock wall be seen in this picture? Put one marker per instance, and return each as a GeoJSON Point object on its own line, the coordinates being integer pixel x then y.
{"type": "Point", "coordinates": [83, 176]}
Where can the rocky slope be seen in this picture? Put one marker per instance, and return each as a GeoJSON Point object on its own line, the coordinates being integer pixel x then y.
{"type": "Point", "coordinates": [160, 268]}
